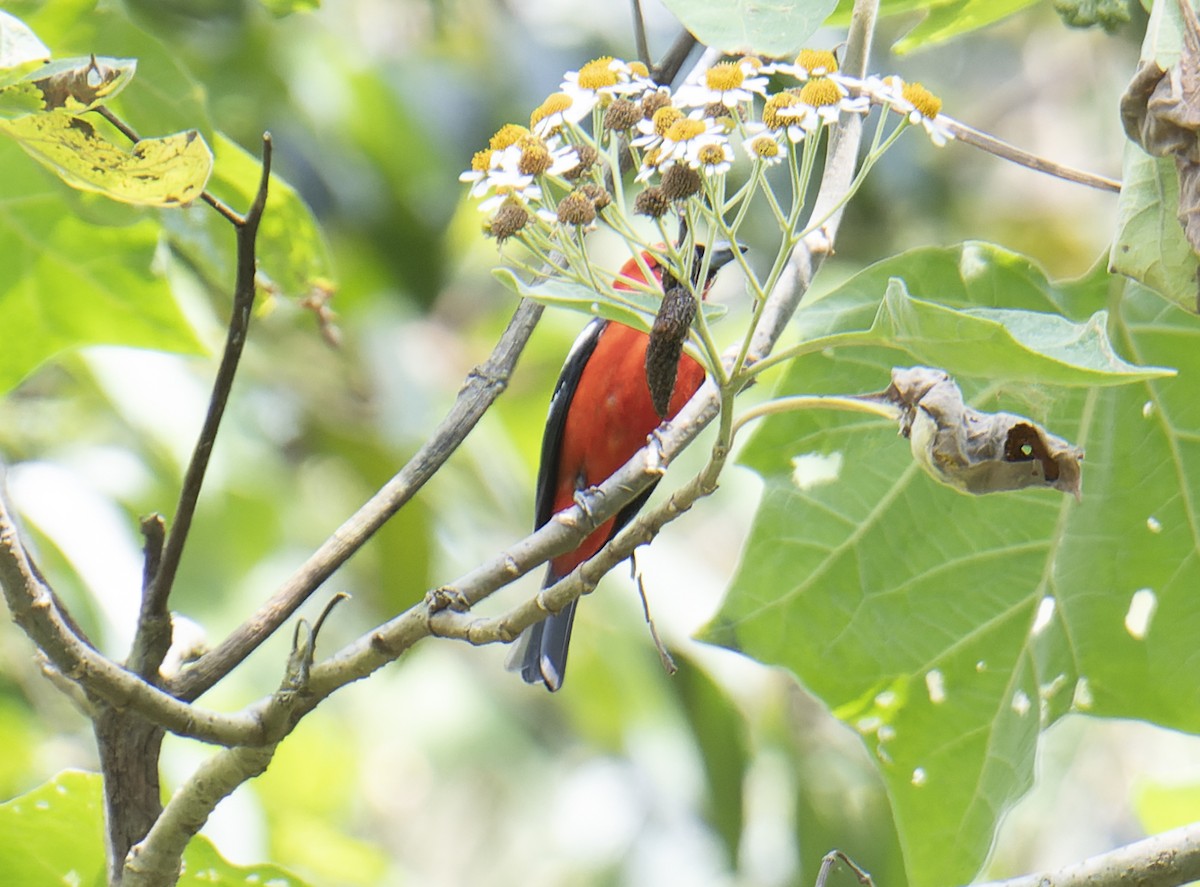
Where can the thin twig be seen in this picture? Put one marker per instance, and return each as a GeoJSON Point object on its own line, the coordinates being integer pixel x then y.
{"type": "Point", "coordinates": [235, 341]}
{"type": "Point", "coordinates": [207, 196]}
{"type": "Point", "coordinates": [664, 655]}
{"type": "Point", "coordinates": [832, 858]}
{"type": "Point", "coordinates": [32, 605]}
{"type": "Point", "coordinates": [970, 136]}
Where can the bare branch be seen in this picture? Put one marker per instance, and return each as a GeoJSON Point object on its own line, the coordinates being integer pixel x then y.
{"type": "Point", "coordinates": [484, 384]}
{"type": "Point", "coordinates": [977, 139]}
{"type": "Point", "coordinates": [664, 72]}
{"type": "Point", "coordinates": [235, 341]}
{"type": "Point", "coordinates": [1164, 860]}
{"type": "Point", "coordinates": [639, 33]}
{"type": "Point", "coordinates": [33, 608]}
{"type": "Point", "coordinates": [155, 861]}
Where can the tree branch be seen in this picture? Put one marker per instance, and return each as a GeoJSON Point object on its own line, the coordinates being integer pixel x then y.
{"type": "Point", "coordinates": [33, 608]}
{"type": "Point", "coordinates": [977, 139]}
{"type": "Point", "coordinates": [1160, 861]}
{"type": "Point", "coordinates": [483, 385]}
{"type": "Point", "coordinates": [235, 340]}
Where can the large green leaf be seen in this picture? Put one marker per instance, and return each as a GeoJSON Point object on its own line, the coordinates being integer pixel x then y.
{"type": "Point", "coordinates": [1016, 345]}
{"type": "Point", "coordinates": [923, 617]}
{"type": "Point", "coordinates": [54, 834]}
{"type": "Point", "coordinates": [65, 283]}
{"type": "Point", "coordinates": [776, 27]}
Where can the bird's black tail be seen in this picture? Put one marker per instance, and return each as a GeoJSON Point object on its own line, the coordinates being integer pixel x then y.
{"type": "Point", "coordinates": [543, 654]}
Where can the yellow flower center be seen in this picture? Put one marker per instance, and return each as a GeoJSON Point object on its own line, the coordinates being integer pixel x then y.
{"type": "Point", "coordinates": [555, 104]}
{"type": "Point", "coordinates": [535, 156]}
{"type": "Point", "coordinates": [750, 61]}
{"type": "Point", "coordinates": [817, 61]}
{"type": "Point", "coordinates": [664, 117]}
{"type": "Point", "coordinates": [776, 103]}
{"type": "Point", "coordinates": [724, 77]}
{"type": "Point", "coordinates": [767, 149]}
{"type": "Point", "coordinates": [637, 69]}
{"type": "Point", "coordinates": [710, 155]}
{"type": "Point", "coordinates": [927, 104]}
{"type": "Point", "coordinates": [684, 129]}
{"type": "Point", "coordinates": [481, 161]}
{"type": "Point", "coordinates": [597, 74]}
{"type": "Point", "coordinates": [508, 134]}
{"type": "Point", "coordinates": [652, 157]}
{"type": "Point", "coordinates": [820, 91]}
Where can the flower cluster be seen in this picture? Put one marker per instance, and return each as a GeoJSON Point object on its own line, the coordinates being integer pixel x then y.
{"type": "Point", "coordinates": [551, 180]}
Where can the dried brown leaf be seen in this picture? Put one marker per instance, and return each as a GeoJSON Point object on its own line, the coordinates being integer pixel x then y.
{"type": "Point", "coordinates": [977, 452]}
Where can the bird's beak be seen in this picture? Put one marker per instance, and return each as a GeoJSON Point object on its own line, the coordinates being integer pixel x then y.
{"type": "Point", "coordinates": [723, 253]}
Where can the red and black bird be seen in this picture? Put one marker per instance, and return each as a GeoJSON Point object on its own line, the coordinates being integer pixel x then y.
{"type": "Point", "coordinates": [601, 413]}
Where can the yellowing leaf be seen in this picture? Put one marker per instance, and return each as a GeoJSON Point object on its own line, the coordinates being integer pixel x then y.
{"type": "Point", "coordinates": [167, 171]}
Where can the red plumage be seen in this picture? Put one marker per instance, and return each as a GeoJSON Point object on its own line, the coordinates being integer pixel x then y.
{"type": "Point", "coordinates": [600, 415]}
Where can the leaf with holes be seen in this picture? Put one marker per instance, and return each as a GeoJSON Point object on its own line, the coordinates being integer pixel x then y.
{"type": "Point", "coordinates": [167, 171]}
{"type": "Point", "coordinates": [949, 630]}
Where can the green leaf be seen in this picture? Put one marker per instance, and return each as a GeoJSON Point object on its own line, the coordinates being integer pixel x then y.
{"type": "Point", "coordinates": [65, 283]}
{"type": "Point", "coordinates": [1003, 343]}
{"type": "Point", "coordinates": [909, 609]}
{"type": "Point", "coordinates": [636, 310]}
{"type": "Point", "coordinates": [955, 18]}
{"type": "Point", "coordinates": [1150, 245]}
{"type": "Point", "coordinates": [166, 171]}
{"type": "Point", "coordinates": [203, 866]}
{"type": "Point", "coordinates": [54, 834]}
{"type": "Point", "coordinates": [292, 251]}
{"type": "Point", "coordinates": [767, 27]}
{"type": "Point", "coordinates": [1025, 344]}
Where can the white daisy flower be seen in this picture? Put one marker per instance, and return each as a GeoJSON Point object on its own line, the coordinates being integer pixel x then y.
{"type": "Point", "coordinates": [684, 136]}
{"type": "Point", "coordinates": [763, 146]}
{"type": "Point", "coordinates": [559, 109]}
{"type": "Point", "coordinates": [653, 129]}
{"type": "Point", "coordinates": [809, 63]}
{"type": "Point", "coordinates": [727, 83]}
{"type": "Point", "coordinates": [828, 99]}
{"type": "Point", "coordinates": [603, 78]}
{"type": "Point", "coordinates": [785, 114]}
{"type": "Point", "coordinates": [918, 104]}
{"type": "Point", "coordinates": [712, 157]}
